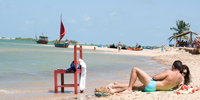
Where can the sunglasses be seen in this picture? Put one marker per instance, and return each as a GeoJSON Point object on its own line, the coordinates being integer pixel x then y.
{"type": "Point", "coordinates": [184, 73]}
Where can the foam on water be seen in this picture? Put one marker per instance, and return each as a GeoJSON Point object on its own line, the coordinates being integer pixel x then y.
{"type": "Point", "coordinates": [3, 91]}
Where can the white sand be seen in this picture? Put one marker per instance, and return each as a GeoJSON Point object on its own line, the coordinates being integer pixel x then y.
{"type": "Point", "coordinates": [166, 57]}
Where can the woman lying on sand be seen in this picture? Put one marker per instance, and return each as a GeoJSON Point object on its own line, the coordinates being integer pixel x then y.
{"type": "Point", "coordinates": [139, 86]}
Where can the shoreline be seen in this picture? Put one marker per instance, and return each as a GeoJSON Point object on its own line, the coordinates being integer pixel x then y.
{"type": "Point", "coordinates": [166, 58]}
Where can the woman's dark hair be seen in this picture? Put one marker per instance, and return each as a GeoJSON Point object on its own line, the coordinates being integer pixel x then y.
{"type": "Point", "coordinates": [187, 76]}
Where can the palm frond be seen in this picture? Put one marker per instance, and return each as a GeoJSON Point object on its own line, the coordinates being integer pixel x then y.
{"type": "Point", "coordinates": [181, 27]}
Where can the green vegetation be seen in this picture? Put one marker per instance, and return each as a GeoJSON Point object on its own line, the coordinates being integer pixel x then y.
{"type": "Point", "coordinates": [62, 41]}
{"type": "Point", "coordinates": [115, 46]}
{"type": "Point", "coordinates": [27, 39]}
{"type": "Point", "coordinates": [89, 44]}
{"type": "Point", "coordinates": [73, 41]}
{"type": "Point", "coordinates": [181, 27]}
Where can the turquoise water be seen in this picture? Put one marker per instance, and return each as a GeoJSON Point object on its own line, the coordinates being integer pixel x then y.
{"type": "Point", "coordinates": [27, 67]}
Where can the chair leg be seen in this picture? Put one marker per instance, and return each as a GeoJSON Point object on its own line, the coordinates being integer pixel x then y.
{"type": "Point", "coordinates": [55, 82]}
{"type": "Point", "coordinates": [62, 82]}
{"type": "Point", "coordinates": [75, 83]}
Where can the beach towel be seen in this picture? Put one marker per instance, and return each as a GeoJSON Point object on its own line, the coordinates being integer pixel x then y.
{"type": "Point", "coordinates": [184, 89]}
{"type": "Point", "coordinates": [83, 75]}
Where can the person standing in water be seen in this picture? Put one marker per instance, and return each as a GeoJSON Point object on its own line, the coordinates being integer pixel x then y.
{"type": "Point", "coordinates": [119, 46]}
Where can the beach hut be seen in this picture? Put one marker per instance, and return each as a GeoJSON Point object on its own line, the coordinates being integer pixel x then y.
{"type": "Point", "coordinates": [185, 33]}
{"type": "Point", "coordinates": [198, 36]}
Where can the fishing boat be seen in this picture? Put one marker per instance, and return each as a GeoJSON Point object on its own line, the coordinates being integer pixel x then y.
{"type": "Point", "coordinates": [62, 34]}
{"type": "Point", "coordinates": [42, 40]}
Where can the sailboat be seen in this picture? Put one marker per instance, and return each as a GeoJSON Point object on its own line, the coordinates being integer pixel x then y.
{"type": "Point", "coordinates": [62, 34]}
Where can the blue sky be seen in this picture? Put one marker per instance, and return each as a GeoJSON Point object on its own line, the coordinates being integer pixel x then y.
{"type": "Point", "coordinates": [147, 22]}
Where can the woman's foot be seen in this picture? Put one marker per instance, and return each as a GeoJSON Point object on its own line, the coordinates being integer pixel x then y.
{"type": "Point", "coordinates": [111, 85]}
{"type": "Point", "coordinates": [112, 91]}
{"type": "Point", "coordinates": [127, 91]}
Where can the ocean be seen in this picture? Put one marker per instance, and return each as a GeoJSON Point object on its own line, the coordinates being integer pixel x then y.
{"type": "Point", "coordinates": [27, 68]}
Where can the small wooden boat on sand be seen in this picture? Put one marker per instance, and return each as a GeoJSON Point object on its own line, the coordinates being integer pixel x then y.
{"type": "Point", "coordinates": [63, 45]}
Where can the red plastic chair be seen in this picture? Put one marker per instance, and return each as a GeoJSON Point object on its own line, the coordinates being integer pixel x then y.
{"type": "Point", "coordinates": [62, 72]}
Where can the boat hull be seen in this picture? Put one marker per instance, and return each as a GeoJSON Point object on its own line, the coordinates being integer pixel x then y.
{"type": "Point", "coordinates": [42, 42]}
{"type": "Point", "coordinates": [64, 45]}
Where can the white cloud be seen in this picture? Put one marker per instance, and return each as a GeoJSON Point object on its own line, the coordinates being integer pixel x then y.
{"type": "Point", "coordinates": [157, 27]}
{"type": "Point", "coordinates": [71, 20]}
{"type": "Point", "coordinates": [28, 22]}
{"type": "Point", "coordinates": [113, 14]}
{"type": "Point", "coordinates": [82, 30]}
{"type": "Point", "coordinates": [46, 20]}
{"type": "Point", "coordinates": [162, 34]}
{"type": "Point", "coordinates": [86, 18]}
{"type": "Point", "coordinates": [26, 25]}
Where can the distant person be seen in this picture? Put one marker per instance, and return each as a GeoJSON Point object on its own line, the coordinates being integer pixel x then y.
{"type": "Point", "coordinates": [197, 42]}
{"type": "Point", "coordinates": [182, 43]}
{"type": "Point", "coordinates": [94, 48]}
{"type": "Point", "coordinates": [136, 45]}
{"type": "Point", "coordinates": [67, 41]}
{"type": "Point", "coordinates": [190, 43]}
{"type": "Point", "coordinates": [56, 41]}
{"type": "Point", "coordinates": [162, 48]}
{"type": "Point", "coordinates": [194, 44]}
{"type": "Point", "coordinates": [139, 47]}
{"type": "Point", "coordinates": [119, 46]}
{"type": "Point", "coordinates": [177, 44]}
{"type": "Point", "coordinates": [186, 43]}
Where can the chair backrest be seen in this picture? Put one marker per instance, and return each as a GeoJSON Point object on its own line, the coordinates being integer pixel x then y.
{"type": "Point", "coordinates": [75, 54]}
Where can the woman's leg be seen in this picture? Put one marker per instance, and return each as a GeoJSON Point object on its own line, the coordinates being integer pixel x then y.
{"type": "Point", "coordinates": [117, 85]}
{"type": "Point", "coordinates": [118, 90]}
{"type": "Point", "coordinates": [136, 86]}
{"type": "Point", "coordinates": [137, 73]}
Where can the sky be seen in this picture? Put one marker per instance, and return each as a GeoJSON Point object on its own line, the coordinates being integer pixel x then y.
{"type": "Point", "coordinates": [147, 22]}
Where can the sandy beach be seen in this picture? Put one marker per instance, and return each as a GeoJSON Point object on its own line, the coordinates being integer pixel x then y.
{"type": "Point", "coordinates": [166, 57]}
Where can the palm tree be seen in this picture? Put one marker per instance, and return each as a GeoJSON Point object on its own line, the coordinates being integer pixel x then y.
{"type": "Point", "coordinates": [181, 27]}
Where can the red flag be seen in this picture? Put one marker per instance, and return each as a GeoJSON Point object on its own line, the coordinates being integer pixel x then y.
{"type": "Point", "coordinates": [62, 30]}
